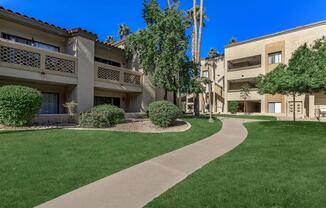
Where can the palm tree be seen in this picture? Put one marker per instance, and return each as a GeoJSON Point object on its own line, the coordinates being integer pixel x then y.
{"type": "Point", "coordinates": [171, 3]}
{"type": "Point", "coordinates": [201, 12]}
{"type": "Point", "coordinates": [124, 31]}
{"type": "Point", "coordinates": [110, 39]}
{"type": "Point", "coordinates": [233, 40]}
{"type": "Point", "coordinates": [194, 18]}
{"type": "Point", "coordinates": [213, 53]}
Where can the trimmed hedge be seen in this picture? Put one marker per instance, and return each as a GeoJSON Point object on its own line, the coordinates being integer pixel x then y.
{"type": "Point", "coordinates": [163, 113]}
{"type": "Point", "coordinates": [102, 116]}
{"type": "Point", "coordinates": [18, 104]}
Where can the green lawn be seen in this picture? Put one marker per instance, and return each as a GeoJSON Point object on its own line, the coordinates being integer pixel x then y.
{"type": "Point", "coordinates": [36, 166]}
{"type": "Point", "coordinates": [258, 117]}
{"type": "Point", "coordinates": [281, 164]}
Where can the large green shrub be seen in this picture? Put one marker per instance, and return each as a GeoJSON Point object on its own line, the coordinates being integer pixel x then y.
{"type": "Point", "coordinates": [163, 113]}
{"type": "Point", "coordinates": [18, 104]}
{"type": "Point", "coordinates": [102, 116]}
{"type": "Point", "coordinates": [233, 108]}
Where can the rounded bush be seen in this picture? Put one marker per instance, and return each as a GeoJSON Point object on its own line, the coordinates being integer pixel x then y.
{"type": "Point", "coordinates": [18, 104]}
{"type": "Point", "coordinates": [102, 116]}
{"type": "Point", "coordinates": [163, 113]}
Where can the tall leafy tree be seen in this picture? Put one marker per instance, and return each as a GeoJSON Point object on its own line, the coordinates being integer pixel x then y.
{"type": "Point", "coordinates": [162, 47]}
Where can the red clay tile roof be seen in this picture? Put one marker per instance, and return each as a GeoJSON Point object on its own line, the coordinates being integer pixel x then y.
{"type": "Point", "coordinates": [68, 31]}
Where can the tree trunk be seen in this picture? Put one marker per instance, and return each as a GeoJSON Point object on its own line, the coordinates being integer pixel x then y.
{"type": "Point", "coordinates": [244, 107]}
{"type": "Point", "coordinates": [165, 94]}
{"type": "Point", "coordinates": [196, 104]}
{"type": "Point", "coordinates": [294, 107]}
{"type": "Point", "coordinates": [174, 98]}
{"type": "Point", "coordinates": [195, 41]}
{"type": "Point", "coordinates": [200, 30]}
{"type": "Point", "coordinates": [169, 4]}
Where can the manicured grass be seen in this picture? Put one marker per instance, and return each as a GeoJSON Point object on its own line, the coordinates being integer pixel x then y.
{"type": "Point", "coordinates": [281, 164]}
{"type": "Point", "coordinates": [36, 166]}
{"type": "Point", "coordinates": [258, 117]}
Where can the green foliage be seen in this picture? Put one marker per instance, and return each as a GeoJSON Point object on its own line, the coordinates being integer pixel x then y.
{"type": "Point", "coordinates": [233, 40]}
{"type": "Point", "coordinates": [102, 116]}
{"type": "Point", "coordinates": [162, 47]}
{"type": "Point", "coordinates": [245, 91]}
{"type": "Point", "coordinates": [233, 108]}
{"type": "Point", "coordinates": [163, 113]}
{"type": "Point", "coordinates": [213, 53]}
{"type": "Point", "coordinates": [18, 105]}
{"type": "Point", "coordinates": [110, 39]}
{"type": "Point", "coordinates": [305, 73]}
{"type": "Point", "coordinates": [197, 86]}
{"type": "Point", "coordinates": [124, 31]}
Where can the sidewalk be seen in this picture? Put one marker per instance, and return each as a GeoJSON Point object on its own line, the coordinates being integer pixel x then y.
{"type": "Point", "coordinates": [140, 184]}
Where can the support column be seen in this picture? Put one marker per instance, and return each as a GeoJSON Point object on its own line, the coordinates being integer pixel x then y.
{"type": "Point", "coordinates": [311, 108]}
{"type": "Point", "coordinates": [84, 49]}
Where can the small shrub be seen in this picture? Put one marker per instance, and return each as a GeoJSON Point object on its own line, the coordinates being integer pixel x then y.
{"type": "Point", "coordinates": [163, 113]}
{"type": "Point", "coordinates": [71, 107]}
{"type": "Point", "coordinates": [18, 104]}
{"type": "Point", "coordinates": [234, 107]}
{"type": "Point", "coordinates": [102, 116]}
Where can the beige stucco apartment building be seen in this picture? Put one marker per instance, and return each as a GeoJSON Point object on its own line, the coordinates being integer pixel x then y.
{"type": "Point", "coordinates": [243, 62]}
{"type": "Point", "coordinates": [68, 65]}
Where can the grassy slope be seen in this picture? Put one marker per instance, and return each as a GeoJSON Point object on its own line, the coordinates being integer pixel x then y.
{"type": "Point", "coordinates": [281, 164]}
{"type": "Point", "coordinates": [258, 117]}
{"type": "Point", "coordinates": [41, 165]}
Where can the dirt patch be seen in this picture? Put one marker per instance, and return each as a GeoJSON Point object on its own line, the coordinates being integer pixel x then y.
{"type": "Point", "coordinates": [145, 126]}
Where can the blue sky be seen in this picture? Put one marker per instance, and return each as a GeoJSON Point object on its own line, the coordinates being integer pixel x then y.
{"type": "Point", "coordinates": [237, 18]}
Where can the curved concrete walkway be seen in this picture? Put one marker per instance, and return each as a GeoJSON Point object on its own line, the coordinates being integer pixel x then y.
{"type": "Point", "coordinates": [138, 185]}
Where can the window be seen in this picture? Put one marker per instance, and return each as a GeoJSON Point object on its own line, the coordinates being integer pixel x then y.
{"type": "Point", "coordinates": [31, 42]}
{"type": "Point", "coordinates": [98, 100]}
{"type": "Point", "coordinates": [205, 74]}
{"type": "Point", "coordinates": [275, 58]}
{"type": "Point", "coordinates": [50, 103]}
{"type": "Point", "coordinates": [274, 107]}
{"type": "Point", "coordinates": [109, 62]}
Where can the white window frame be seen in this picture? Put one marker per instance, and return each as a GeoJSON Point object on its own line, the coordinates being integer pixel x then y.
{"type": "Point", "coordinates": [275, 58]}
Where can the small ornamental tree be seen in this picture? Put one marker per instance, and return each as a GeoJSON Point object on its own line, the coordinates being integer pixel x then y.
{"type": "Point", "coordinates": [304, 74]}
{"type": "Point", "coordinates": [245, 94]}
{"type": "Point", "coordinates": [233, 108]}
{"type": "Point", "coordinates": [281, 81]}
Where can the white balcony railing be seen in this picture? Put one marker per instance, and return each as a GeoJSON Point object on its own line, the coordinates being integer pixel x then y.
{"type": "Point", "coordinates": [113, 74]}
{"type": "Point", "coordinates": [24, 57]}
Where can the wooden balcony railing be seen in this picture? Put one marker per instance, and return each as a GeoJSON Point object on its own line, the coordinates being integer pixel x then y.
{"type": "Point", "coordinates": [113, 74]}
{"type": "Point", "coordinates": [24, 57]}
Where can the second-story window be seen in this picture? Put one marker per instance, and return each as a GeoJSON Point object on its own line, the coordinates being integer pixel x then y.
{"type": "Point", "coordinates": [106, 61]}
{"type": "Point", "coordinates": [275, 58]}
{"type": "Point", "coordinates": [205, 74]}
{"type": "Point", "coordinates": [30, 42]}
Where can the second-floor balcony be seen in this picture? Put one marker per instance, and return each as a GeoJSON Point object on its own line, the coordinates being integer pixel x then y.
{"type": "Point", "coordinates": [23, 57]}
{"type": "Point", "coordinates": [106, 73]}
